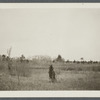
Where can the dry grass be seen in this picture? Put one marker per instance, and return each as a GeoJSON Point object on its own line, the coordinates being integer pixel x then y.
{"type": "Point", "coordinates": [34, 76]}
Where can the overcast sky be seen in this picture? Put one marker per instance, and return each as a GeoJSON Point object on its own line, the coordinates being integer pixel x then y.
{"type": "Point", "coordinates": [72, 33]}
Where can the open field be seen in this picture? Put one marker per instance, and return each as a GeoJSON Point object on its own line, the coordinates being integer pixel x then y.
{"type": "Point", "coordinates": [49, 47]}
{"type": "Point", "coordinates": [34, 76]}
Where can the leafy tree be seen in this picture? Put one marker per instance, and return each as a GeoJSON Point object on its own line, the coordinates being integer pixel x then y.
{"type": "Point", "coordinates": [22, 58]}
{"type": "Point", "coordinates": [3, 57]}
{"type": "Point", "coordinates": [59, 58]}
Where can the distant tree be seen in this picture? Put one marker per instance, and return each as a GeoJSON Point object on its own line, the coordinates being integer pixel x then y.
{"type": "Point", "coordinates": [67, 61]}
{"type": "Point", "coordinates": [22, 58]}
{"type": "Point", "coordinates": [74, 61]}
{"type": "Point", "coordinates": [78, 62]}
{"type": "Point", "coordinates": [91, 61]}
{"type": "Point", "coordinates": [3, 57]}
{"type": "Point", "coordinates": [7, 58]}
{"type": "Point", "coordinates": [59, 59]}
{"type": "Point", "coordinates": [82, 60]}
{"type": "Point", "coordinates": [27, 60]}
{"type": "Point", "coordinates": [53, 61]}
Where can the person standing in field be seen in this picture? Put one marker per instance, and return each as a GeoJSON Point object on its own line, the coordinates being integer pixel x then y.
{"type": "Point", "coordinates": [52, 73]}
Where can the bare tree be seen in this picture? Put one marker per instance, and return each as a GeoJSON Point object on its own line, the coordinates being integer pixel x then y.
{"type": "Point", "coordinates": [9, 51]}
{"type": "Point", "coordinates": [8, 58]}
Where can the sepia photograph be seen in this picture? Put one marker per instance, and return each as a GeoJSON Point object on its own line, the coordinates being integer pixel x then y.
{"type": "Point", "coordinates": [44, 48]}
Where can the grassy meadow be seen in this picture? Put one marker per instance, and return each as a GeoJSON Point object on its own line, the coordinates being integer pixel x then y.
{"type": "Point", "coordinates": [33, 75]}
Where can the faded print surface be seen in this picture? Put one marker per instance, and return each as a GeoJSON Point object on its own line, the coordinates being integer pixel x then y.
{"type": "Point", "coordinates": [33, 40]}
